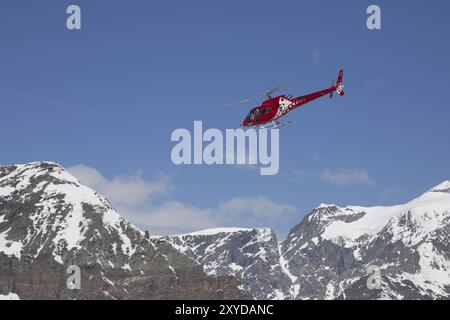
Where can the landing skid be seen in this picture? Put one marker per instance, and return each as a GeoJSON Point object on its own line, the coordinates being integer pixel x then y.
{"type": "Point", "coordinates": [274, 125]}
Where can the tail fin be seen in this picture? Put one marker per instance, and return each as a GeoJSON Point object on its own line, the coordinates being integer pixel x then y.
{"type": "Point", "coordinates": [339, 86]}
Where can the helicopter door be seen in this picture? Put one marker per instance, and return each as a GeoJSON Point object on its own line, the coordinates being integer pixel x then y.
{"type": "Point", "coordinates": [257, 115]}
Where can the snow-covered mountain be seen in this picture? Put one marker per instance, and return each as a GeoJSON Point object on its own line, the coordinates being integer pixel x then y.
{"type": "Point", "coordinates": [395, 252]}
{"type": "Point", "coordinates": [334, 251]}
{"type": "Point", "coordinates": [251, 255]}
{"type": "Point", "coordinates": [49, 221]}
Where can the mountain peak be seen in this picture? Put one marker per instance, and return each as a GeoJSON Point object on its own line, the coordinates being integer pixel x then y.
{"type": "Point", "coordinates": [60, 212]}
{"type": "Point", "coordinates": [326, 205]}
{"type": "Point", "coordinates": [442, 187]}
{"type": "Point", "coordinates": [22, 175]}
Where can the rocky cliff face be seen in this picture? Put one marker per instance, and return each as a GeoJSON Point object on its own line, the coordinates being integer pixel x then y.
{"type": "Point", "coordinates": [49, 221]}
{"type": "Point", "coordinates": [251, 255]}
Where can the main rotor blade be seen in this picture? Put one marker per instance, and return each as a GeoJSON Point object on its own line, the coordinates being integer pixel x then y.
{"type": "Point", "coordinates": [238, 102]}
{"type": "Point", "coordinates": [265, 94]}
{"type": "Point", "coordinates": [272, 91]}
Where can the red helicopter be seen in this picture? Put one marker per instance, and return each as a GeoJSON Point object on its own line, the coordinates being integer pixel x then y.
{"type": "Point", "coordinates": [267, 115]}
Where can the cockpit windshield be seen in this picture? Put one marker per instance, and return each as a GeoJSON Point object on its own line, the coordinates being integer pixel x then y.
{"type": "Point", "coordinates": [253, 115]}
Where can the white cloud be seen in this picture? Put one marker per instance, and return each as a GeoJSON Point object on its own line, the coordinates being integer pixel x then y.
{"type": "Point", "coordinates": [172, 217]}
{"type": "Point", "coordinates": [122, 190]}
{"type": "Point", "coordinates": [136, 200]}
{"type": "Point", "coordinates": [139, 201]}
{"type": "Point", "coordinates": [346, 177]}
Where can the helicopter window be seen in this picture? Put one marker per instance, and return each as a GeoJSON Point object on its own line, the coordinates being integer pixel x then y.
{"type": "Point", "coordinates": [257, 114]}
{"type": "Point", "coordinates": [267, 110]}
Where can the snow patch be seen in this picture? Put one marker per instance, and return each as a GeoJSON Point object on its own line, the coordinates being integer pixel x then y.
{"type": "Point", "coordinates": [210, 232]}
{"type": "Point", "coordinates": [6, 191]}
{"type": "Point", "coordinates": [127, 267]}
{"type": "Point", "coordinates": [10, 296]}
{"type": "Point", "coordinates": [10, 247]}
{"type": "Point", "coordinates": [443, 187]}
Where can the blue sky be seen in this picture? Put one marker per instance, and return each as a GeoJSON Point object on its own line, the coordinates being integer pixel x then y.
{"type": "Point", "coordinates": [135, 72]}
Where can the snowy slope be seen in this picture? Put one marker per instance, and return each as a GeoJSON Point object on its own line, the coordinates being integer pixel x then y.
{"type": "Point", "coordinates": [430, 212]}
{"type": "Point", "coordinates": [332, 247]}
{"type": "Point", "coordinates": [9, 296]}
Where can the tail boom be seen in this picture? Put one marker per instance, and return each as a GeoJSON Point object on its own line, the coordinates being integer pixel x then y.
{"type": "Point", "coordinates": [338, 87]}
